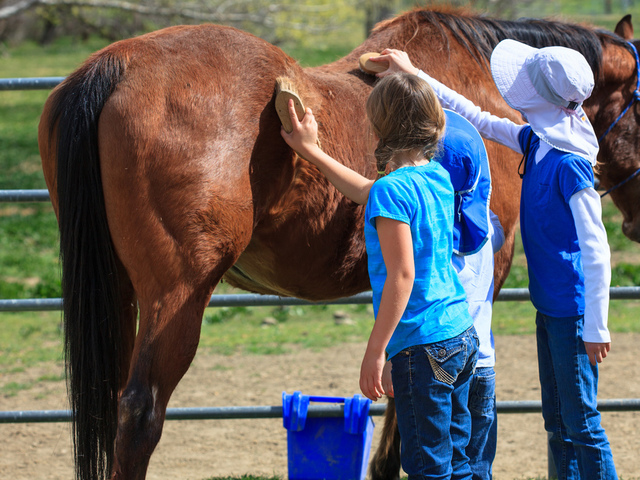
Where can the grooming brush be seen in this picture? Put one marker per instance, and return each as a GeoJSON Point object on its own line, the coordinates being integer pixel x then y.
{"type": "Point", "coordinates": [367, 66]}
{"type": "Point", "coordinates": [285, 90]}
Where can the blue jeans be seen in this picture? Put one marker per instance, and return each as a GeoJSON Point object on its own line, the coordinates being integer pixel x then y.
{"type": "Point", "coordinates": [484, 423]}
{"type": "Point", "coordinates": [431, 387]}
{"type": "Point", "coordinates": [569, 383]}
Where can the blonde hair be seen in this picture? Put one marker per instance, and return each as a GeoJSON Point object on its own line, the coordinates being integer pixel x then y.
{"type": "Point", "coordinates": [405, 115]}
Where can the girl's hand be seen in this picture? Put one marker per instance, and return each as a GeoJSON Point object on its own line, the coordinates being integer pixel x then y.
{"type": "Point", "coordinates": [597, 351]}
{"type": "Point", "coordinates": [387, 384]}
{"type": "Point", "coordinates": [304, 136]}
{"type": "Point", "coordinates": [371, 375]}
{"type": "Point", "coordinates": [398, 62]}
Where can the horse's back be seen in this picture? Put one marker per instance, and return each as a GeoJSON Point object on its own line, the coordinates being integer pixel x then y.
{"type": "Point", "coordinates": [191, 138]}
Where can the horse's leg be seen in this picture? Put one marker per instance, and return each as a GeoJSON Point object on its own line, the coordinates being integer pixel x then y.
{"type": "Point", "coordinates": [385, 464]}
{"type": "Point", "coordinates": [128, 322]}
{"type": "Point", "coordinates": [172, 302]}
{"type": "Point", "coordinates": [167, 342]}
{"type": "Point", "coordinates": [175, 251]}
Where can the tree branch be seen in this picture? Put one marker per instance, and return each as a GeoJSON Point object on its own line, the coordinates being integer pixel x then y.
{"type": "Point", "coordinates": [218, 16]}
{"type": "Point", "coordinates": [12, 10]}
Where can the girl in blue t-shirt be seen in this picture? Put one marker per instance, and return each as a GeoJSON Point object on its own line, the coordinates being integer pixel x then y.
{"type": "Point", "coordinates": [422, 318]}
{"type": "Point", "coordinates": [562, 233]}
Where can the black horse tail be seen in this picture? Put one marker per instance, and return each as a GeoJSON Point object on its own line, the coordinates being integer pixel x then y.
{"type": "Point", "coordinates": [90, 288]}
{"type": "Point", "coordinates": [386, 461]}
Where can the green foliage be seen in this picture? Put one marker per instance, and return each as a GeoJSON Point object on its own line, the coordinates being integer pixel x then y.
{"type": "Point", "coordinates": [320, 55]}
{"type": "Point", "coordinates": [308, 22]}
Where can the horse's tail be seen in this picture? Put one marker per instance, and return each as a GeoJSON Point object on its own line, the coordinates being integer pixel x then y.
{"type": "Point", "coordinates": [386, 461]}
{"type": "Point", "coordinates": [90, 287]}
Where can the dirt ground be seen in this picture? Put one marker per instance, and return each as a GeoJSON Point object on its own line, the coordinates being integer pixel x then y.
{"type": "Point", "coordinates": [203, 449]}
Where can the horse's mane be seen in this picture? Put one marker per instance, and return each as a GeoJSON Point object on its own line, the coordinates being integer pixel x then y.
{"type": "Point", "coordinates": [479, 34]}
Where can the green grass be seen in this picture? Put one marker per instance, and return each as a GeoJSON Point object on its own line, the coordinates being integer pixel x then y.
{"type": "Point", "coordinates": [310, 327]}
{"type": "Point", "coordinates": [28, 339]}
{"type": "Point", "coordinates": [57, 59]}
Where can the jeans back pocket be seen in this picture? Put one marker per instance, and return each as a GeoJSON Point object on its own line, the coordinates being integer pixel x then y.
{"type": "Point", "coordinates": [447, 359]}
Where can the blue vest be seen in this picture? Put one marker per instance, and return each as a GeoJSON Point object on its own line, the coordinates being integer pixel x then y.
{"type": "Point", "coordinates": [556, 276]}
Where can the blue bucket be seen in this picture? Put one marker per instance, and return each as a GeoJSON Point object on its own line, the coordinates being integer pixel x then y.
{"type": "Point", "coordinates": [327, 448]}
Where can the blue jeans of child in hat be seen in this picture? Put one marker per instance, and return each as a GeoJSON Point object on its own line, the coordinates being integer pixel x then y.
{"type": "Point", "coordinates": [431, 389]}
{"type": "Point", "coordinates": [569, 383]}
{"type": "Point", "coordinates": [484, 423]}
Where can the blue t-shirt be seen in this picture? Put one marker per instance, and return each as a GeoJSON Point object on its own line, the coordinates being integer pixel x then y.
{"type": "Point", "coordinates": [556, 276]}
{"type": "Point", "coordinates": [422, 197]}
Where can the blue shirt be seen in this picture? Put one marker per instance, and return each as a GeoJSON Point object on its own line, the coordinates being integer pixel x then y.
{"type": "Point", "coordinates": [556, 277]}
{"type": "Point", "coordinates": [422, 197]}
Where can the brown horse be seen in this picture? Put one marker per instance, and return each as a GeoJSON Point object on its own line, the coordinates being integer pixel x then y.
{"type": "Point", "coordinates": [167, 172]}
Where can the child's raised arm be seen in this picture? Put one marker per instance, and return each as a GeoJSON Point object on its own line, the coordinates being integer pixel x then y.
{"type": "Point", "coordinates": [491, 127]}
{"type": "Point", "coordinates": [304, 140]}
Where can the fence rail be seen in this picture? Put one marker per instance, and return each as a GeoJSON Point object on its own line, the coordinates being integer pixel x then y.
{"type": "Point", "coordinates": [24, 196]}
{"type": "Point", "coordinates": [35, 83]}
{"type": "Point", "coordinates": [255, 300]}
{"type": "Point", "coordinates": [230, 413]}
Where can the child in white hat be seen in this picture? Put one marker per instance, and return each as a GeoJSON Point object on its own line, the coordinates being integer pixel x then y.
{"type": "Point", "coordinates": [562, 233]}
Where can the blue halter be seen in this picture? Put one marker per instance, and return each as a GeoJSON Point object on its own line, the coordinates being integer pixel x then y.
{"type": "Point", "coordinates": [635, 98]}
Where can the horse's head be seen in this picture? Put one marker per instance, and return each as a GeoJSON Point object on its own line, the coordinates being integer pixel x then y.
{"type": "Point", "coordinates": [615, 113]}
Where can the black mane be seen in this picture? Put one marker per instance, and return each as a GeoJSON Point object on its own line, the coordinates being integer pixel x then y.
{"type": "Point", "coordinates": [479, 35]}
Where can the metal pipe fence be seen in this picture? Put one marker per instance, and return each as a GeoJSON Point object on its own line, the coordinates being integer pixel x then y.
{"type": "Point", "coordinates": [35, 83]}
{"type": "Point", "coordinates": [249, 412]}
{"type": "Point", "coordinates": [255, 300]}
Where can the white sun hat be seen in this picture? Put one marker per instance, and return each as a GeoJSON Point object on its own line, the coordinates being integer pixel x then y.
{"type": "Point", "coordinates": [548, 85]}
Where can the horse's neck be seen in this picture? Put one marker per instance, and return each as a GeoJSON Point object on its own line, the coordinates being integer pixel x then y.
{"type": "Point", "coordinates": [614, 89]}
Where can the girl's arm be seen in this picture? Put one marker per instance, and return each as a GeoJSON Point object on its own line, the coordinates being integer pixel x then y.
{"type": "Point", "coordinates": [596, 262]}
{"type": "Point", "coordinates": [397, 251]}
{"type": "Point", "coordinates": [304, 140]}
{"type": "Point", "coordinates": [491, 127]}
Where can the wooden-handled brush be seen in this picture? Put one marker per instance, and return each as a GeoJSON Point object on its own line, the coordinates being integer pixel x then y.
{"type": "Point", "coordinates": [367, 66]}
{"type": "Point", "coordinates": [285, 90]}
